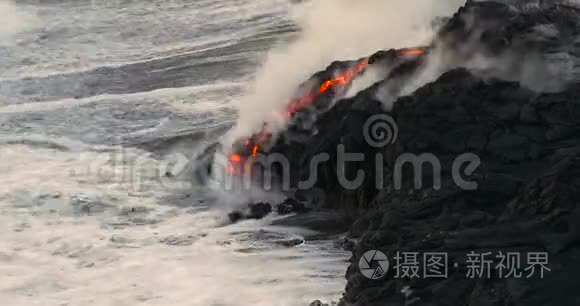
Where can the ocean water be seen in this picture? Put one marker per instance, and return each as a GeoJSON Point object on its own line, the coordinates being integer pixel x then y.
{"type": "Point", "coordinates": [92, 95]}
{"type": "Point", "coordinates": [101, 101]}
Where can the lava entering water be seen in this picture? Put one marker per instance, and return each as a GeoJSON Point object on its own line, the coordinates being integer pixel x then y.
{"type": "Point", "coordinates": [254, 142]}
{"type": "Point", "coordinates": [248, 148]}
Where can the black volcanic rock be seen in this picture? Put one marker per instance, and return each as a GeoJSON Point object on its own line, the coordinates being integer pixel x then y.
{"type": "Point", "coordinates": [525, 137]}
{"type": "Point", "coordinates": [525, 201]}
{"type": "Point", "coordinates": [252, 211]}
{"type": "Point", "coordinates": [524, 133]}
{"type": "Point", "coordinates": [291, 205]}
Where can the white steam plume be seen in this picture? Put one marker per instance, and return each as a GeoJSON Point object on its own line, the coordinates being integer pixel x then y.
{"type": "Point", "coordinates": [12, 20]}
{"type": "Point", "coordinates": [538, 71]}
{"type": "Point", "coordinates": [331, 30]}
{"type": "Point", "coordinates": [336, 30]}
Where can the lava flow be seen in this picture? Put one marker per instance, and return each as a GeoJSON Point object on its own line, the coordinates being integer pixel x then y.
{"type": "Point", "coordinates": [253, 143]}
{"type": "Point", "coordinates": [250, 147]}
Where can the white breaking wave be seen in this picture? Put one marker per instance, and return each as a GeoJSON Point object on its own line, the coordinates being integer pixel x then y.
{"type": "Point", "coordinates": [80, 239]}
{"type": "Point", "coordinates": [102, 225]}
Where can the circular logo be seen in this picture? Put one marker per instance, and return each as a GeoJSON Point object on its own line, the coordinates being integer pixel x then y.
{"type": "Point", "coordinates": [374, 264]}
{"type": "Point", "coordinates": [380, 130]}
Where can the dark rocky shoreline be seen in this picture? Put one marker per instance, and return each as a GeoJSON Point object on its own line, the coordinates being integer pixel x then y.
{"type": "Point", "coordinates": [504, 89]}
{"type": "Point", "coordinates": [526, 200]}
{"type": "Point", "coordinates": [528, 142]}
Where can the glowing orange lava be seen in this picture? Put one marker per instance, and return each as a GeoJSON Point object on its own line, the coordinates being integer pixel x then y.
{"type": "Point", "coordinates": [415, 52]}
{"type": "Point", "coordinates": [264, 135]}
{"type": "Point", "coordinates": [235, 158]}
{"type": "Point", "coordinates": [255, 149]}
{"type": "Point", "coordinates": [341, 80]}
{"type": "Point", "coordinates": [253, 143]}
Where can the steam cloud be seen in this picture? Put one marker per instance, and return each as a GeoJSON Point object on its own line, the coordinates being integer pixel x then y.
{"type": "Point", "coordinates": [336, 30]}
{"type": "Point", "coordinates": [12, 20]}
{"type": "Point", "coordinates": [542, 72]}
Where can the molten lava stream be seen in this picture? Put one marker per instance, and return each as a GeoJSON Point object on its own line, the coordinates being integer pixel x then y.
{"type": "Point", "coordinates": [251, 146]}
{"type": "Point", "coordinates": [342, 80]}
{"type": "Point", "coordinates": [253, 143]}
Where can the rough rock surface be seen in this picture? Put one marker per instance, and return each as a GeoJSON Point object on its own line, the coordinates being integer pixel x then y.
{"type": "Point", "coordinates": [526, 200]}
{"type": "Point", "coordinates": [252, 211]}
{"type": "Point", "coordinates": [526, 138]}
{"type": "Point", "coordinates": [507, 92]}
{"type": "Point", "coordinates": [528, 186]}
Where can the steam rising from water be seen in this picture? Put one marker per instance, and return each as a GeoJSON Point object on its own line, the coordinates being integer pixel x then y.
{"type": "Point", "coordinates": [80, 239]}
{"type": "Point", "coordinates": [12, 20]}
{"type": "Point", "coordinates": [541, 71]}
{"type": "Point", "coordinates": [336, 30]}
